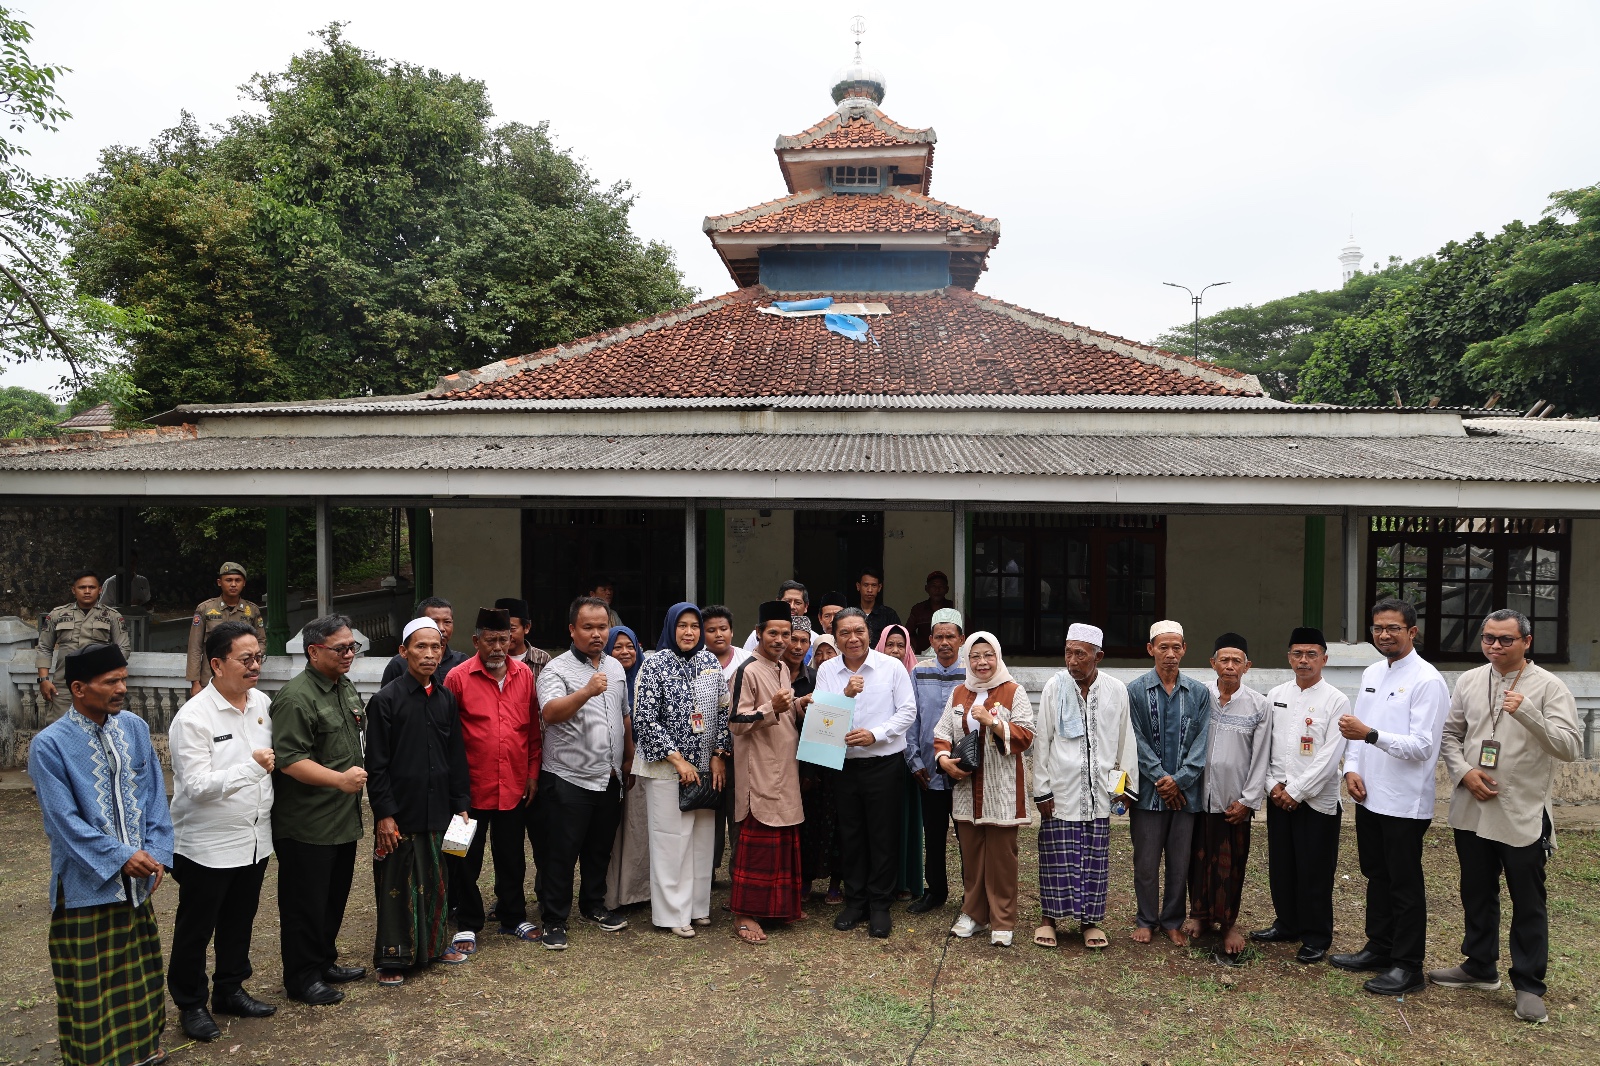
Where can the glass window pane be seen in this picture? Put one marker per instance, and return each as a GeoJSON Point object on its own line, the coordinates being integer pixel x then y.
{"type": "Point", "coordinates": [1052, 632]}
{"type": "Point", "coordinates": [1519, 564]}
{"type": "Point", "coordinates": [1012, 632]}
{"type": "Point", "coordinates": [1520, 598]}
{"type": "Point", "coordinates": [986, 590]}
{"type": "Point", "coordinates": [1052, 554]}
{"type": "Point", "coordinates": [1544, 639]}
{"type": "Point", "coordinates": [1546, 601]}
{"type": "Point", "coordinates": [986, 555]}
{"type": "Point", "coordinates": [1048, 601]}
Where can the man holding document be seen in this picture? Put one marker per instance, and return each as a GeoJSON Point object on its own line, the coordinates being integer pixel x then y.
{"type": "Point", "coordinates": [870, 792]}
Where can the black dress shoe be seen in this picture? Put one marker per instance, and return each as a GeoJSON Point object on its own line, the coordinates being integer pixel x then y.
{"type": "Point", "coordinates": [1309, 955]}
{"type": "Point", "coordinates": [338, 975]}
{"type": "Point", "coordinates": [848, 919]}
{"type": "Point", "coordinates": [317, 994]}
{"type": "Point", "coordinates": [925, 904]}
{"type": "Point", "coordinates": [1396, 982]}
{"type": "Point", "coordinates": [198, 1025]}
{"type": "Point", "coordinates": [1274, 934]}
{"type": "Point", "coordinates": [243, 1004]}
{"type": "Point", "coordinates": [881, 925]}
{"type": "Point", "coordinates": [1359, 961]}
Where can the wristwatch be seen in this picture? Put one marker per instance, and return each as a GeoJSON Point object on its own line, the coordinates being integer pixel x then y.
{"type": "Point", "coordinates": [1372, 737]}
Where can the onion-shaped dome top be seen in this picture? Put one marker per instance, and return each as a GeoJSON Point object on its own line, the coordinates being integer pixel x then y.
{"type": "Point", "coordinates": [859, 84]}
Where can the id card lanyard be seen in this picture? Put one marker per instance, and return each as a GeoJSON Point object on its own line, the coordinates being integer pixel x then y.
{"type": "Point", "coordinates": [1489, 753]}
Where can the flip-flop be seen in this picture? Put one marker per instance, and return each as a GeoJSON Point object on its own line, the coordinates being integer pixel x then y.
{"type": "Point", "coordinates": [466, 943]}
{"type": "Point", "coordinates": [1094, 938]}
{"type": "Point", "coordinates": [1045, 936]}
{"type": "Point", "coordinates": [461, 957]}
{"type": "Point", "coordinates": [745, 924]}
{"type": "Point", "coordinates": [525, 931]}
{"type": "Point", "coordinates": [391, 979]}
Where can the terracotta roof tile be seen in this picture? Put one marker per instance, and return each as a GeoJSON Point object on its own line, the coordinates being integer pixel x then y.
{"type": "Point", "coordinates": [893, 211]}
{"type": "Point", "coordinates": [858, 128]}
{"type": "Point", "coordinates": [951, 342]}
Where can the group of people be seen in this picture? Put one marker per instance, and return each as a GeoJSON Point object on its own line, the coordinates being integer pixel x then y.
{"type": "Point", "coordinates": [631, 771]}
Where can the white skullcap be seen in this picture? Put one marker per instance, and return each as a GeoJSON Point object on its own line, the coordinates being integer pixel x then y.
{"type": "Point", "coordinates": [1166, 625]}
{"type": "Point", "coordinates": [418, 623]}
{"type": "Point", "coordinates": [1087, 633]}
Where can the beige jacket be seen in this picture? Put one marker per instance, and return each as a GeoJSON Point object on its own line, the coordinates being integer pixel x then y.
{"type": "Point", "coordinates": [1543, 730]}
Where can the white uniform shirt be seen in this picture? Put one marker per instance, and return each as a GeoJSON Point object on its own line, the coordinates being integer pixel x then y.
{"type": "Point", "coordinates": [886, 704]}
{"type": "Point", "coordinates": [1406, 702]}
{"type": "Point", "coordinates": [1311, 778]}
{"type": "Point", "coordinates": [221, 797]}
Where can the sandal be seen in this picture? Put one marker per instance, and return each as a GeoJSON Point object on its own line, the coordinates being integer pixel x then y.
{"type": "Point", "coordinates": [1045, 936]}
{"type": "Point", "coordinates": [835, 896]}
{"type": "Point", "coordinates": [465, 942]}
{"type": "Point", "coordinates": [452, 958]}
{"type": "Point", "coordinates": [702, 922]}
{"type": "Point", "coordinates": [1094, 937]}
{"type": "Point", "coordinates": [685, 931]}
{"type": "Point", "coordinates": [525, 931]}
{"type": "Point", "coordinates": [391, 978]}
{"type": "Point", "coordinates": [745, 926]}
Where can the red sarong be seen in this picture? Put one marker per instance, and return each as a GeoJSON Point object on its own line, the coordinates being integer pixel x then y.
{"type": "Point", "coordinates": [766, 872]}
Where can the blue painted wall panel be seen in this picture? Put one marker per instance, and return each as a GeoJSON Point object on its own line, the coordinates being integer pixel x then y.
{"type": "Point", "coordinates": [821, 270]}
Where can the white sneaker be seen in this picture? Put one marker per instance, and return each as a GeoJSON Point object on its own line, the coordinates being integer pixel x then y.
{"type": "Point", "coordinates": [966, 926]}
{"type": "Point", "coordinates": [1000, 938]}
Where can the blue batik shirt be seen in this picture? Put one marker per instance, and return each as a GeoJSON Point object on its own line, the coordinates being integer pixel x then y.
{"type": "Point", "coordinates": [1171, 730]}
{"type": "Point", "coordinates": [103, 798]}
{"type": "Point", "coordinates": [932, 685]}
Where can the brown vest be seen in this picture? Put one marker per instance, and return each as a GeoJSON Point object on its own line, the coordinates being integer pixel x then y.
{"type": "Point", "coordinates": [999, 696]}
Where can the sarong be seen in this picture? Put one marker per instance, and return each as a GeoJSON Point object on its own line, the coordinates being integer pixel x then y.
{"type": "Point", "coordinates": [412, 897]}
{"type": "Point", "coordinates": [110, 1001]}
{"type": "Point", "coordinates": [819, 833]}
{"type": "Point", "coordinates": [1216, 869]}
{"type": "Point", "coordinates": [1074, 865]}
{"type": "Point", "coordinates": [908, 875]}
{"type": "Point", "coordinates": [766, 872]}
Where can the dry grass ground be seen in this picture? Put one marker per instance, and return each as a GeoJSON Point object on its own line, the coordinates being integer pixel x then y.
{"type": "Point", "coordinates": [812, 995]}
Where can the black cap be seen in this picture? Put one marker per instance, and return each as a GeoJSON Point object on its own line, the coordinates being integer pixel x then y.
{"type": "Point", "coordinates": [773, 611]}
{"type": "Point", "coordinates": [86, 664]}
{"type": "Point", "coordinates": [834, 599]}
{"type": "Point", "coordinates": [518, 609]}
{"type": "Point", "coordinates": [1308, 635]}
{"type": "Point", "coordinates": [1231, 640]}
{"type": "Point", "coordinates": [494, 618]}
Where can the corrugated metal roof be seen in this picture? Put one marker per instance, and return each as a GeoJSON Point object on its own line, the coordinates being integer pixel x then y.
{"type": "Point", "coordinates": [1495, 458]}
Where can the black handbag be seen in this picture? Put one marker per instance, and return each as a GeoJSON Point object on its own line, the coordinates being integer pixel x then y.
{"type": "Point", "coordinates": [700, 796]}
{"type": "Point", "coordinates": [968, 751]}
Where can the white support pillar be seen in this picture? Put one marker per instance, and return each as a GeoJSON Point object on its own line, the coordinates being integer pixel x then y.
{"type": "Point", "coordinates": [1353, 630]}
{"type": "Point", "coordinates": [691, 532]}
{"type": "Point", "coordinates": [958, 571]}
{"type": "Point", "coordinates": [324, 558]}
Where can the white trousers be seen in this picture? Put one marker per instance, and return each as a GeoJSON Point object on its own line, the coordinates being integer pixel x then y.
{"type": "Point", "coordinates": [681, 850]}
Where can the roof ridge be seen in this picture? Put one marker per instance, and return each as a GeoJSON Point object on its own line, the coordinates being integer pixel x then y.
{"type": "Point", "coordinates": [1185, 365]}
{"type": "Point", "coordinates": [873, 115]}
{"type": "Point", "coordinates": [466, 379]}
{"type": "Point", "coordinates": [115, 438]}
{"type": "Point", "coordinates": [986, 223]}
{"type": "Point", "coordinates": [716, 223]}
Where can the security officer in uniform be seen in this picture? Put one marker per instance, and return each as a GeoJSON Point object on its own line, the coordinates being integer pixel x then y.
{"type": "Point", "coordinates": [228, 607]}
{"type": "Point", "coordinates": [72, 626]}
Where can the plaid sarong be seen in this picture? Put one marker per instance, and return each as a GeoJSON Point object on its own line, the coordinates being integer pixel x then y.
{"type": "Point", "coordinates": [1216, 869]}
{"type": "Point", "coordinates": [110, 1000]}
{"type": "Point", "coordinates": [766, 872]}
{"type": "Point", "coordinates": [412, 903]}
{"type": "Point", "coordinates": [1074, 864]}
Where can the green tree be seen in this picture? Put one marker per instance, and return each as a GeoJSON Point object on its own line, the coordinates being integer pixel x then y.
{"type": "Point", "coordinates": [1273, 340]}
{"type": "Point", "coordinates": [1554, 354]}
{"type": "Point", "coordinates": [364, 232]}
{"type": "Point", "coordinates": [1406, 345]}
{"type": "Point", "coordinates": [25, 413]}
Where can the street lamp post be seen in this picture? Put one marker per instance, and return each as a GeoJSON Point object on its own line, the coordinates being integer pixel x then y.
{"type": "Point", "coordinates": [1195, 298]}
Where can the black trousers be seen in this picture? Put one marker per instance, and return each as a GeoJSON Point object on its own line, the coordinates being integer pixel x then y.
{"type": "Point", "coordinates": [573, 826]}
{"type": "Point", "coordinates": [936, 804]}
{"type": "Point", "coordinates": [313, 888]}
{"type": "Point", "coordinates": [510, 860]}
{"type": "Point", "coordinates": [212, 902]}
{"type": "Point", "coordinates": [727, 827]}
{"type": "Point", "coordinates": [1482, 862]}
{"type": "Point", "coordinates": [870, 793]}
{"type": "Point", "coordinates": [1302, 861]}
{"type": "Point", "coordinates": [1390, 850]}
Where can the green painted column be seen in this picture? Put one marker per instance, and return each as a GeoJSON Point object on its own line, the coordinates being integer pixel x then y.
{"type": "Point", "coordinates": [1316, 555]}
{"type": "Point", "coordinates": [277, 579]}
{"type": "Point", "coordinates": [716, 553]}
{"type": "Point", "coordinates": [422, 553]}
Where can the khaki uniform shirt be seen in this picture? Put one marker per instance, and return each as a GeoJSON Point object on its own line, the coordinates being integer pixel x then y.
{"type": "Point", "coordinates": [1544, 729]}
{"type": "Point", "coordinates": [317, 718]}
{"type": "Point", "coordinates": [208, 616]}
{"type": "Point", "coordinates": [68, 628]}
{"type": "Point", "coordinates": [766, 777]}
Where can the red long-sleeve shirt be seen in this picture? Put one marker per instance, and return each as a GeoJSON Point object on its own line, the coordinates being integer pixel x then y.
{"type": "Point", "coordinates": [500, 724]}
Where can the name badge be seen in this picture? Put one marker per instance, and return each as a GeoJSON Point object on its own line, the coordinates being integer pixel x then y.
{"type": "Point", "coordinates": [1306, 745]}
{"type": "Point", "coordinates": [1489, 754]}
{"type": "Point", "coordinates": [219, 740]}
{"type": "Point", "coordinates": [1372, 690]}
{"type": "Point", "coordinates": [1275, 703]}
{"type": "Point", "coordinates": [697, 722]}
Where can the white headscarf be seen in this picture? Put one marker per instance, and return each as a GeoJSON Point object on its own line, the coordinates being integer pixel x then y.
{"type": "Point", "coordinates": [1000, 676]}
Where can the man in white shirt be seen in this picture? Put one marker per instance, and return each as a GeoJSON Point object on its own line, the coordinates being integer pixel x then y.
{"type": "Point", "coordinates": [870, 790]}
{"type": "Point", "coordinates": [1303, 799]}
{"type": "Point", "coordinates": [221, 743]}
{"type": "Point", "coordinates": [1393, 746]}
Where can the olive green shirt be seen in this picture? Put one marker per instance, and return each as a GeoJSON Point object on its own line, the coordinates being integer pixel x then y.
{"type": "Point", "coordinates": [69, 628]}
{"type": "Point", "coordinates": [317, 718]}
{"type": "Point", "coordinates": [208, 616]}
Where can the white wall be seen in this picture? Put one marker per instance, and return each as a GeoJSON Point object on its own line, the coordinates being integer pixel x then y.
{"type": "Point", "coordinates": [758, 557]}
{"type": "Point", "coordinates": [477, 559]}
{"type": "Point", "coordinates": [914, 544]}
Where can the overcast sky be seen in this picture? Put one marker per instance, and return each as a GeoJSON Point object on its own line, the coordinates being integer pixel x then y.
{"type": "Point", "coordinates": [1120, 145]}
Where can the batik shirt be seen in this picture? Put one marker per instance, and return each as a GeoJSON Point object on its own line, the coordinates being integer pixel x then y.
{"type": "Point", "coordinates": [681, 705]}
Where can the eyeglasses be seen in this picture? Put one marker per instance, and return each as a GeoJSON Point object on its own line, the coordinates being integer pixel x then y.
{"type": "Point", "coordinates": [1490, 640]}
{"type": "Point", "coordinates": [250, 660]}
{"type": "Point", "coordinates": [341, 650]}
{"type": "Point", "coordinates": [1393, 631]}
{"type": "Point", "coordinates": [1305, 655]}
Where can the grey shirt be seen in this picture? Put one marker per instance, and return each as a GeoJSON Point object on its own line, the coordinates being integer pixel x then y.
{"type": "Point", "coordinates": [1239, 750]}
{"type": "Point", "coordinates": [586, 749]}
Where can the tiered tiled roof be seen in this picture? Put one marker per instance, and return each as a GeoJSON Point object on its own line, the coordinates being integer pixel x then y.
{"type": "Point", "coordinates": [865, 127]}
{"type": "Point", "coordinates": [949, 342]}
{"type": "Point", "coordinates": [817, 211]}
